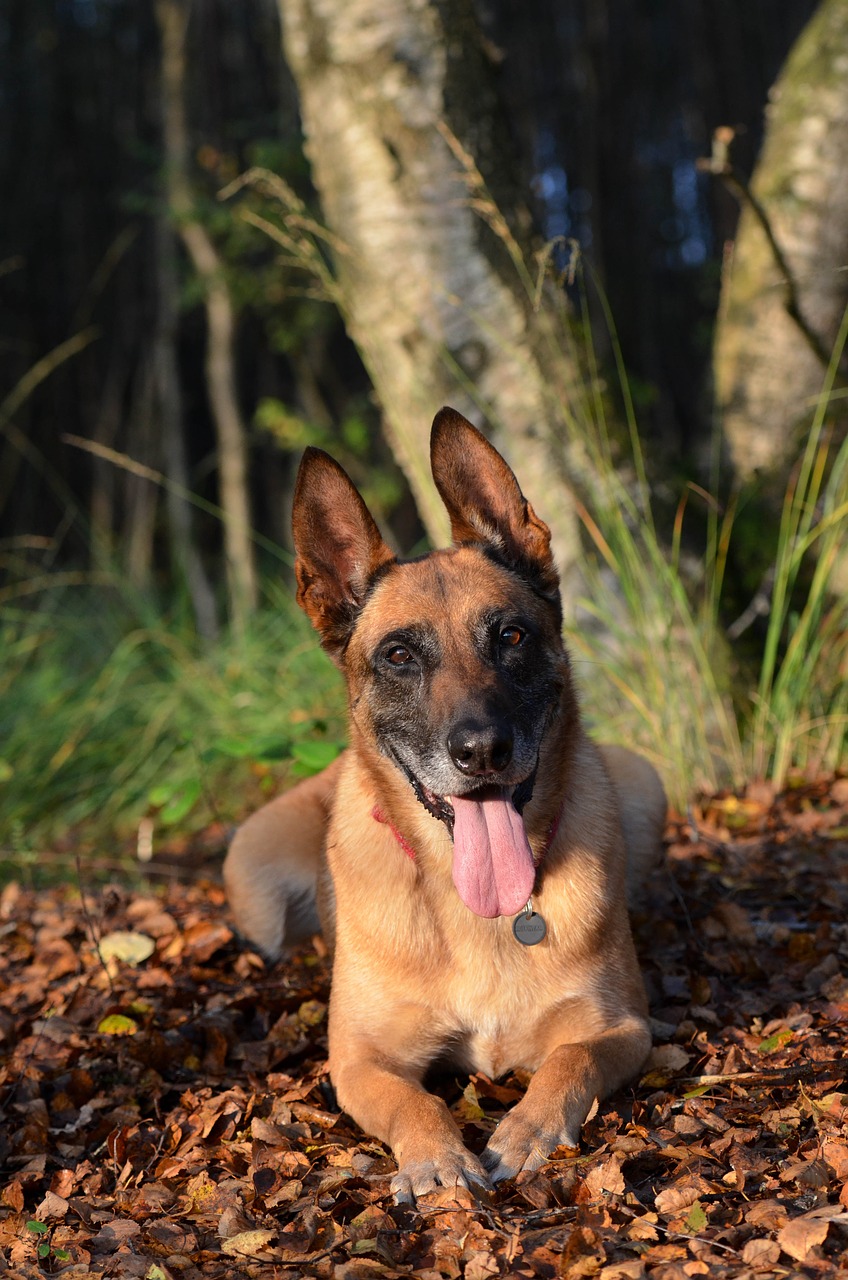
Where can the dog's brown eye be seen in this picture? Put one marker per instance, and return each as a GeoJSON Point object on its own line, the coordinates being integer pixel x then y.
{"type": "Point", "coordinates": [512, 636]}
{"type": "Point", "coordinates": [398, 656]}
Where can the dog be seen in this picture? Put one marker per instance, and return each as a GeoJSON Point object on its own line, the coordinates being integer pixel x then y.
{"type": "Point", "coordinates": [467, 855]}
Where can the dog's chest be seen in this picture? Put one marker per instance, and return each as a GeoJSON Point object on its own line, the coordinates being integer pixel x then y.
{"type": "Point", "coordinates": [499, 1007]}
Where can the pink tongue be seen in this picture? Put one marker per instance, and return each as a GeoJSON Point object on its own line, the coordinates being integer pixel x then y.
{"type": "Point", "coordinates": [492, 861]}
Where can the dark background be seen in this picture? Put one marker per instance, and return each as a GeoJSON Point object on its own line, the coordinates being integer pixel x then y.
{"type": "Point", "coordinates": [611, 105]}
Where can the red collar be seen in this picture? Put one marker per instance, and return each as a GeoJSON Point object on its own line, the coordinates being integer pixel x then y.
{"type": "Point", "coordinates": [378, 816]}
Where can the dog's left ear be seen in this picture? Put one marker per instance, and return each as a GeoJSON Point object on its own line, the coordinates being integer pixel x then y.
{"type": "Point", "coordinates": [485, 503]}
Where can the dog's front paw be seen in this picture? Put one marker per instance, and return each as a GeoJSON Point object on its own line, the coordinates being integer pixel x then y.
{"type": "Point", "coordinates": [520, 1144]}
{"type": "Point", "coordinates": [451, 1170]}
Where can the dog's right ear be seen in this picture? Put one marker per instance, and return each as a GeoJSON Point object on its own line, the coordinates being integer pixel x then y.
{"type": "Point", "coordinates": [339, 549]}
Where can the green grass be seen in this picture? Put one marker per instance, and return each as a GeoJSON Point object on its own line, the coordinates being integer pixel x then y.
{"type": "Point", "coordinates": [658, 669]}
{"type": "Point", "coordinates": [655, 663]}
{"type": "Point", "coordinates": [110, 712]}
{"type": "Point", "coordinates": [111, 709]}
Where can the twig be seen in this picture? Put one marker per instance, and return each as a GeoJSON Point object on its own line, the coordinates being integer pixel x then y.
{"type": "Point", "coordinates": [89, 921]}
{"type": "Point", "coordinates": [719, 164]}
{"type": "Point", "coordinates": [760, 606]}
{"type": "Point", "coordinates": [681, 1235]}
{"type": "Point", "coordinates": [41, 370]}
{"type": "Point", "coordinates": [765, 1073]}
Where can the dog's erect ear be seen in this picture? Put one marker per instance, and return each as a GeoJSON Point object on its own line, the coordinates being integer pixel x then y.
{"type": "Point", "coordinates": [485, 503]}
{"type": "Point", "coordinates": [338, 545]}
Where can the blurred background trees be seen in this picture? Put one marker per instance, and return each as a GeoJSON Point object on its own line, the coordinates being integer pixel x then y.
{"type": "Point", "coordinates": [586, 121]}
{"type": "Point", "coordinates": [229, 230]}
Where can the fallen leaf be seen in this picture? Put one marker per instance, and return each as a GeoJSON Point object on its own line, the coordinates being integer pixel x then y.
{"type": "Point", "coordinates": [605, 1178]}
{"type": "Point", "coordinates": [801, 1235]}
{"type": "Point", "coordinates": [775, 1042]}
{"type": "Point", "coordinates": [664, 1062]}
{"type": "Point", "coordinates": [114, 1234]}
{"type": "Point", "coordinates": [761, 1254]}
{"type": "Point", "coordinates": [52, 1206]}
{"type": "Point", "coordinates": [696, 1219]}
{"type": "Point", "coordinates": [681, 1194]}
{"type": "Point", "coordinates": [117, 1024]}
{"type": "Point", "coordinates": [132, 948]}
{"type": "Point", "coordinates": [250, 1243]}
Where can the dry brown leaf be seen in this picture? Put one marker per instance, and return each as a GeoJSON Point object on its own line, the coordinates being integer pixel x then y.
{"type": "Point", "coordinates": [250, 1244]}
{"type": "Point", "coordinates": [175, 1237]}
{"type": "Point", "coordinates": [809, 1173]}
{"type": "Point", "coordinates": [480, 1265]}
{"type": "Point", "coordinates": [605, 1178]}
{"type": "Point", "coordinates": [761, 1254]}
{"type": "Point", "coordinates": [801, 1235]}
{"type": "Point", "coordinates": [114, 1234]}
{"type": "Point", "coordinates": [52, 1206]}
{"type": "Point", "coordinates": [667, 1057]}
{"type": "Point", "coordinates": [634, 1270]}
{"type": "Point", "coordinates": [682, 1193]}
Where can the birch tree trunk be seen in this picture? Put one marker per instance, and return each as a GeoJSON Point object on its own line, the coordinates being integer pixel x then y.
{"type": "Point", "coordinates": [172, 16]}
{"type": "Point", "coordinates": [396, 98]}
{"type": "Point", "coordinates": [768, 372]}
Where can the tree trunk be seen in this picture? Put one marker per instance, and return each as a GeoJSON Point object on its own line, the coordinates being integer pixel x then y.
{"type": "Point", "coordinates": [769, 364]}
{"type": "Point", "coordinates": [172, 16]}
{"type": "Point", "coordinates": [141, 495]}
{"type": "Point", "coordinates": [396, 98]}
{"type": "Point", "coordinates": [186, 555]}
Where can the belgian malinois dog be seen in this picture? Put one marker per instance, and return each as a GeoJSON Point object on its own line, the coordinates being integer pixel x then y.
{"type": "Point", "coordinates": [467, 856]}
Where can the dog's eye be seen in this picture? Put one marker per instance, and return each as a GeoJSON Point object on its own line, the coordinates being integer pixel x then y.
{"type": "Point", "coordinates": [399, 656]}
{"type": "Point", "coordinates": [511, 637]}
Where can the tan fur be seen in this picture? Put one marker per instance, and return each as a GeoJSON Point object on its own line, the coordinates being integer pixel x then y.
{"type": "Point", "coordinates": [418, 978]}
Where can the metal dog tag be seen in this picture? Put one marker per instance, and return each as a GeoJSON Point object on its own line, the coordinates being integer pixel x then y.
{"type": "Point", "coordinates": [529, 928]}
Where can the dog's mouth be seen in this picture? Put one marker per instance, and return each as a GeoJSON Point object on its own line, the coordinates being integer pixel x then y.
{"type": "Point", "coordinates": [442, 807]}
{"type": "Point", "coordinates": [493, 867]}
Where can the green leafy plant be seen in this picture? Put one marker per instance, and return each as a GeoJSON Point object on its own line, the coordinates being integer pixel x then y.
{"type": "Point", "coordinates": [44, 1248]}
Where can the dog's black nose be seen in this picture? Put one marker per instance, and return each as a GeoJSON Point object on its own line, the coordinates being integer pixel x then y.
{"type": "Point", "coordinates": [480, 748]}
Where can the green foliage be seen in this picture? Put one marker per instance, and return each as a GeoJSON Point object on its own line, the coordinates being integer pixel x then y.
{"type": "Point", "coordinates": [44, 1249]}
{"type": "Point", "coordinates": [800, 715]}
{"type": "Point", "coordinates": [350, 442]}
{"type": "Point", "coordinates": [108, 715]}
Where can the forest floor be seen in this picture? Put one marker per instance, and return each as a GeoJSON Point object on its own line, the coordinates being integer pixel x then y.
{"type": "Point", "coordinates": [166, 1111]}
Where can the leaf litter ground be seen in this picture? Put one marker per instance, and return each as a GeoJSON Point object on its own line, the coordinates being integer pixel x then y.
{"type": "Point", "coordinates": [166, 1111]}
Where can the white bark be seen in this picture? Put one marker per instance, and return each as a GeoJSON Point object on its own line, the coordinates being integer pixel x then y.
{"type": "Point", "coordinates": [431, 300]}
{"type": "Point", "coordinates": [767, 373]}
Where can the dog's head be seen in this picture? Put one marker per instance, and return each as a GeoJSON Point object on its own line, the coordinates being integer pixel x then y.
{"type": "Point", "coordinates": [454, 662]}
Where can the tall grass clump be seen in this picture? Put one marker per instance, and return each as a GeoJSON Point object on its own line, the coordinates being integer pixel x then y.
{"type": "Point", "coordinates": [649, 631]}
{"type": "Point", "coordinates": [800, 708]}
{"type": "Point", "coordinates": [665, 675]}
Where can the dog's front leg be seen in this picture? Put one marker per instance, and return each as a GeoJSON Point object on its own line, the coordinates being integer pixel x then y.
{"type": "Point", "coordinates": [391, 1103]}
{"type": "Point", "coordinates": [560, 1095]}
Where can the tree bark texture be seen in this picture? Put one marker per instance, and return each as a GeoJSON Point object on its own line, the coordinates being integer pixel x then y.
{"type": "Point", "coordinates": [172, 16]}
{"type": "Point", "coordinates": [767, 371]}
{"type": "Point", "coordinates": [387, 89]}
{"type": "Point", "coordinates": [184, 549]}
